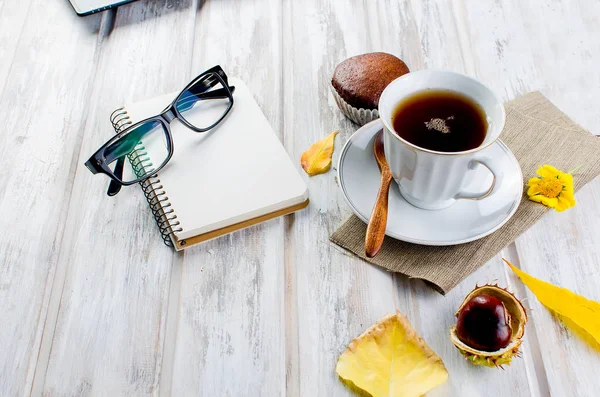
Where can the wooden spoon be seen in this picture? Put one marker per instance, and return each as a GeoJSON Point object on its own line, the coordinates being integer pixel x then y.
{"type": "Point", "coordinates": [377, 223]}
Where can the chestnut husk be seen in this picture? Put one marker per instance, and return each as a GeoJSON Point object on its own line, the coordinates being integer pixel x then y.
{"type": "Point", "coordinates": [518, 319]}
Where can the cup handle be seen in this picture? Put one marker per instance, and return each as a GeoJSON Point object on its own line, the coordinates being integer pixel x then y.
{"type": "Point", "coordinates": [494, 168]}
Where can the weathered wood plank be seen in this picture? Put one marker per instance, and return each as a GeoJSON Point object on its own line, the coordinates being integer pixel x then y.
{"type": "Point", "coordinates": [230, 322]}
{"type": "Point", "coordinates": [331, 297]}
{"type": "Point", "coordinates": [114, 271]}
{"type": "Point", "coordinates": [42, 98]}
{"type": "Point", "coordinates": [564, 41]}
{"type": "Point", "coordinates": [12, 19]}
{"type": "Point", "coordinates": [562, 248]}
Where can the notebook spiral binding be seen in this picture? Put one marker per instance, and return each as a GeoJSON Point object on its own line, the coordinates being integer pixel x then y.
{"type": "Point", "coordinates": [153, 190]}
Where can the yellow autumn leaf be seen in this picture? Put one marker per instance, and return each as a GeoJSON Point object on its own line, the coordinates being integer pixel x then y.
{"type": "Point", "coordinates": [576, 311]}
{"type": "Point", "coordinates": [317, 159]}
{"type": "Point", "coordinates": [391, 360]}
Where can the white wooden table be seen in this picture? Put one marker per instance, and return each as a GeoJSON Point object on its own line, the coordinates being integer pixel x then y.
{"type": "Point", "coordinates": [92, 302]}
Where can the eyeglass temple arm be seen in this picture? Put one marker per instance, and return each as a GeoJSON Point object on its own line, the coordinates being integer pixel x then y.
{"type": "Point", "coordinates": [115, 187]}
{"type": "Point", "coordinates": [186, 103]}
{"type": "Point", "coordinates": [200, 93]}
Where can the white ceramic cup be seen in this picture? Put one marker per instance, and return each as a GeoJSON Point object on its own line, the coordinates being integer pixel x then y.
{"type": "Point", "coordinates": [430, 179]}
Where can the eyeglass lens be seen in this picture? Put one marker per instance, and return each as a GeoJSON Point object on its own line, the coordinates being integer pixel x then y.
{"type": "Point", "coordinates": [204, 103]}
{"type": "Point", "coordinates": [146, 148]}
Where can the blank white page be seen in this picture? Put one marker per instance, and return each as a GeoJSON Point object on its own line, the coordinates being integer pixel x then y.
{"type": "Point", "coordinates": [237, 171]}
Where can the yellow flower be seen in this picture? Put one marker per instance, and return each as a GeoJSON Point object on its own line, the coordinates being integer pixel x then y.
{"type": "Point", "coordinates": [553, 188]}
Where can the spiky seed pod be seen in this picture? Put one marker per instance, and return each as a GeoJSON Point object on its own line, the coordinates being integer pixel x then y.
{"type": "Point", "coordinates": [516, 318]}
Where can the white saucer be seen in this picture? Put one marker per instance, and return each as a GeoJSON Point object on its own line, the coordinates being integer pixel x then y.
{"type": "Point", "coordinates": [464, 221]}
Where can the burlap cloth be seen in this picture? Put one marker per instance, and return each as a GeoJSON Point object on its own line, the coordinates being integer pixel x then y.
{"type": "Point", "coordinates": [537, 133]}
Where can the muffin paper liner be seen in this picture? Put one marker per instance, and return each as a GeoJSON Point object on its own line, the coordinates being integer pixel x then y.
{"type": "Point", "coordinates": [359, 116]}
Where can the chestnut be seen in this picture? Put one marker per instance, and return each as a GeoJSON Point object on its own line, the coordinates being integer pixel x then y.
{"type": "Point", "coordinates": [490, 326]}
{"type": "Point", "coordinates": [483, 323]}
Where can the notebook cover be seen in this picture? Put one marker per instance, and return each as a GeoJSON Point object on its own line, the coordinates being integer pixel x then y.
{"type": "Point", "coordinates": [231, 177]}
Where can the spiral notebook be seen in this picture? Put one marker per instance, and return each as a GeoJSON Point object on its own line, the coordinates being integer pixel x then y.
{"type": "Point", "coordinates": [232, 177]}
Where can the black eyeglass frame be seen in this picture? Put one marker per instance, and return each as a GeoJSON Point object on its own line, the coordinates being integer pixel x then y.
{"type": "Point", "coordinates": [97, 163]}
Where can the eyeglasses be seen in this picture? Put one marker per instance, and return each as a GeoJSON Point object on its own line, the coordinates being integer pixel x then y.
{"type": "Point", "coordinates": [143, 149]}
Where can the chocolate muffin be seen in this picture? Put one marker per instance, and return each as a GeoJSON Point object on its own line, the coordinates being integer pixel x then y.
{"type": "Point", "coordinates": [359, 81]}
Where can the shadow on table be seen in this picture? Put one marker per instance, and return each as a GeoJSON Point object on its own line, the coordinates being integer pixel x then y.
{"type": "Point", "coordinates": [138, 12]}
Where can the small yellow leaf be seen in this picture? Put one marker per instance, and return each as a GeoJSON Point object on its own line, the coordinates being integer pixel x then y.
{"type": "Point", "coordinates": [391, 360]}
{"type": "Point", "coordinates": [317, 159]}
{"type": "Point", "coordinates": [574, 310]}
